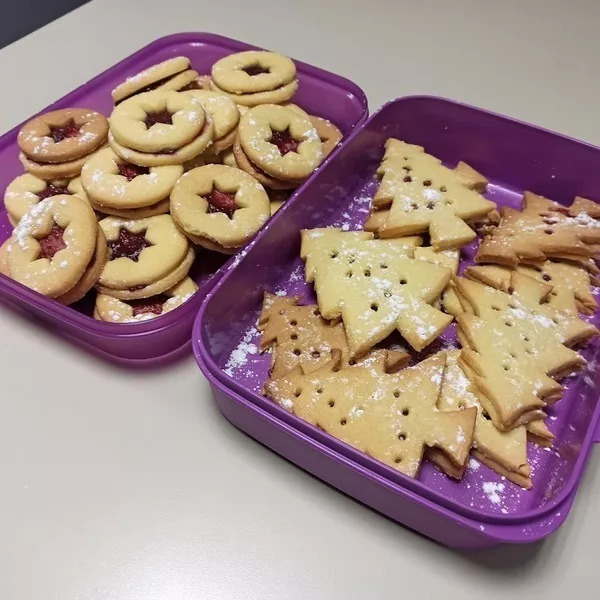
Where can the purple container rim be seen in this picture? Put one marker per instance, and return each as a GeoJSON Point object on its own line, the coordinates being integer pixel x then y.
{"type": "Point", "coordinates": [213, 372]}
{"type": "Point", "coordinates": [64, 314]}
{"type": "Point", "coordinates": [500, 532]}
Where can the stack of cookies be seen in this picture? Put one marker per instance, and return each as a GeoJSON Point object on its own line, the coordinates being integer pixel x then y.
{"type": "Point", "coordinates": [517, 315]}
{"type": "Point", "coordinates": [160, 181]}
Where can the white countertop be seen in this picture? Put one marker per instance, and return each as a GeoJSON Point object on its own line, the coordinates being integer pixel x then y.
{"type": "Point", "coordinates": [128, 485]}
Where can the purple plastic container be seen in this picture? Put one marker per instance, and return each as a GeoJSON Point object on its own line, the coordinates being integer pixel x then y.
{"type": "Point", "coordinates": [320, 93]}
{"type": "Point", "coordinates": [483, 509]}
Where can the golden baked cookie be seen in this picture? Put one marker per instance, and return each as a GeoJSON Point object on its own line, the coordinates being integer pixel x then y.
{"type": "Point", "coordinates": [244, 163]}
{"type": "Point", "coordinates": [26, 190]}
{"type": "Point", "coordinates": [158, 121]}
{"type": "Point", "coordinates": [160, 208]}
{"type": "Point", "coordinates": [112, 182]}
{"type": "Point", "coordinates": [255, 77]}
{"type": "Point", "coordinates": [62, 135]}
{"type": "Point", "coordinates": [53, 244]}
{"type": "Point", "coordinates": [219, 206]}
{"type": "Point", "coordinates": [50, 171]}
{"type": "Point", "coordinates": [119, 311]}
{"type": "Point", "coordinates": [171, 74]}
{"type": "Point", "coordinates": [280, 142]}
{"type": "Point", "coordinates": [225, 117]}
{"type": "Point", "coordinates": [141, 251]}
{"type": "Point", "coordinates": [90, 275]}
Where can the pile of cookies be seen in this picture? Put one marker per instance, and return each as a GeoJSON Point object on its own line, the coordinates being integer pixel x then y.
{"type": "Point", "coordinates": [184, 164]}
{"type": "Point", "coordinates": [517, 314]}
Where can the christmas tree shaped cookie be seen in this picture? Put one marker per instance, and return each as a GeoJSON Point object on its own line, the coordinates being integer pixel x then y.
{"type": "Point", "coordinates": [425, 196]}
{"type": "Point", "coordinates": [375, 287]}
{"type": "Point", "coordinates": [299, 335]}
{"type": "Point", "coordinates": [513, 344]}
{"type": "Point", "coordinates": [391, 417]}
{"type": "Point", "coordinates": [542, 229]}
{"type": "Point", "coordinates": [571, 288]}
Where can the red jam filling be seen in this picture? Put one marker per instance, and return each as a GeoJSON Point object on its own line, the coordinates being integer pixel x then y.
{"type": "Point", "coordinates": [284, 141]}
{"type": "Point", "coordinates": [162, 116]}
{"type": "Point", "coordinates": [61, 132]}
{"type": "Point", "coordinates": [128, 245]}
{"type": "Point", "coordinates": [130, 171]}
{"type": "Point", "coordinates": [255, 70]}
{"type": "Point", "coordinates": [222, 202]}
{"type": "Point", "coordinates": [52, 190]}
{"type": "Point", "coordinates": [153, 305]}
{"type": "Point", "coordinates": [53, 242]}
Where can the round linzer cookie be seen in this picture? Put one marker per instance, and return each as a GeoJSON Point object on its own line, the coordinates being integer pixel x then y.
{"type": "Point", "coordinates": [145, 256]}
{"type": "Point", "coordinates": [171, 74]}
{"type": "Point", "coordinates": [133, 311]}
{"type": "Point", "coordinates": [56, 144]}
{"type": "Point", "coordinates": [255, 77]}
{"type": "Point", "coordinates": [110, 181]}
{"type": "Point", "coordinates": [53, 244]}
{"type": "Point", "coordinates": [219, 207]}
{"type": "Point", "coordinates": [225, 116]}
{"type": "Point", "coordinates": [26, 190]}
{"type": "Point", "coordinates": [280, 142]}
{"type": "Point", "coordinates": [160, 128]}
{"type": "Point", "coordinates": [160, 208]}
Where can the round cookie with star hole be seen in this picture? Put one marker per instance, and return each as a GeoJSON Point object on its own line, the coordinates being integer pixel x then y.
{"type": "Point", "coordinates": [143, 255]}
{"type": "Point", "coordinates": [219, 207]}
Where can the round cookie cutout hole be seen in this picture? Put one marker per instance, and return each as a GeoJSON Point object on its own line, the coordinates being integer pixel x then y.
{"type": "Point", "coordinates": [52, 243]}
{"type": "Point", "coordinates": [131, 171]}
{"type": "Point", "coordinates": [402, 436]}
{"type": "Point", "coordinates": [61, 132]}
{"type": "Point", "coordinates": [153, 305]}
{"type": "Point", "coordinates": [331, 403]}
{"type": "Point", "coordinates": [255, 69]}
{"type": "Point", "coordinates": [163, 117]}
{"type": "Point", "coordinates": [128, 245]}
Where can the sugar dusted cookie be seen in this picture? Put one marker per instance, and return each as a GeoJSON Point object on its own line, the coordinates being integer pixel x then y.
{"type": "Point", "coordinates": [391, 417]}
{"type": "Point", "coordinates": [423, 195]}
{"type": "Point", "coordinates": [298, 335]}
{"type": "Point", "coordinates": [219, 207]}
{"type": "Point", "coordinates": [114, 310]}
{"type": "Point", "coordinates": [542, 229]}
{"type": "Point", "coordinates": [374, 287]}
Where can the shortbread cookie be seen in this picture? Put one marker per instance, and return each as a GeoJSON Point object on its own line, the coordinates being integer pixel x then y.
{"type": "Point", "coordinates": [26, 190]}
{"type": "Point", "coordinates": [513, 344]}
{"type": "Point", "coordinates": [141, 252]}
{"type": "Point", "coordinates": [53, 171]}
{"type": "Point", "coordinates": [225, 116]}
{"type": "Point", "coordinates": [298, 335]}
{"type": "Point", "coordinates": [63, 135]}
{"type": "Point", "coordinates": [160, 208]}
{"type": "Point", "coordinates": [255, 77]}
{"type": "Point", "coordinates": [171, 74]}
{"type": "Point", "coordinates": [571, 289]}
{"type": "Point", "coordinates": [219, 205]}
{"type": "Point", "coordinates": [328, 133]}
{"type": "Point", "coordinates": [504, 452]}
{"type": "Point", "coordinates": [112, 182]}
{"type": "Point", "coordinates": [280, 142]}
{"type": "Point", "coordinates": [391, 417]}
{"type": "Point", "coordinates": [244, 163]}
{"type": "Point", "coordinates": [4, 270]}
{"type": "Point", "coordinates": [160, 128]}
{"type": "Point", "coordinates": [374, 287]}
{"type": "Point", "coordinates": [53, 244]}
{"type": "Point", "coordinates": [119, 311]}
{"type": "Point", "coordinates": [91, 274]}
{"type": "Point", "coordinates": [543, 229]}
{"type": "Point", "coordinates": [423, 195]}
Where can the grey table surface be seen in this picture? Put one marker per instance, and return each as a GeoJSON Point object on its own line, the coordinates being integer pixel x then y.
{"type": "Point", "coordinates": [119, 484]}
